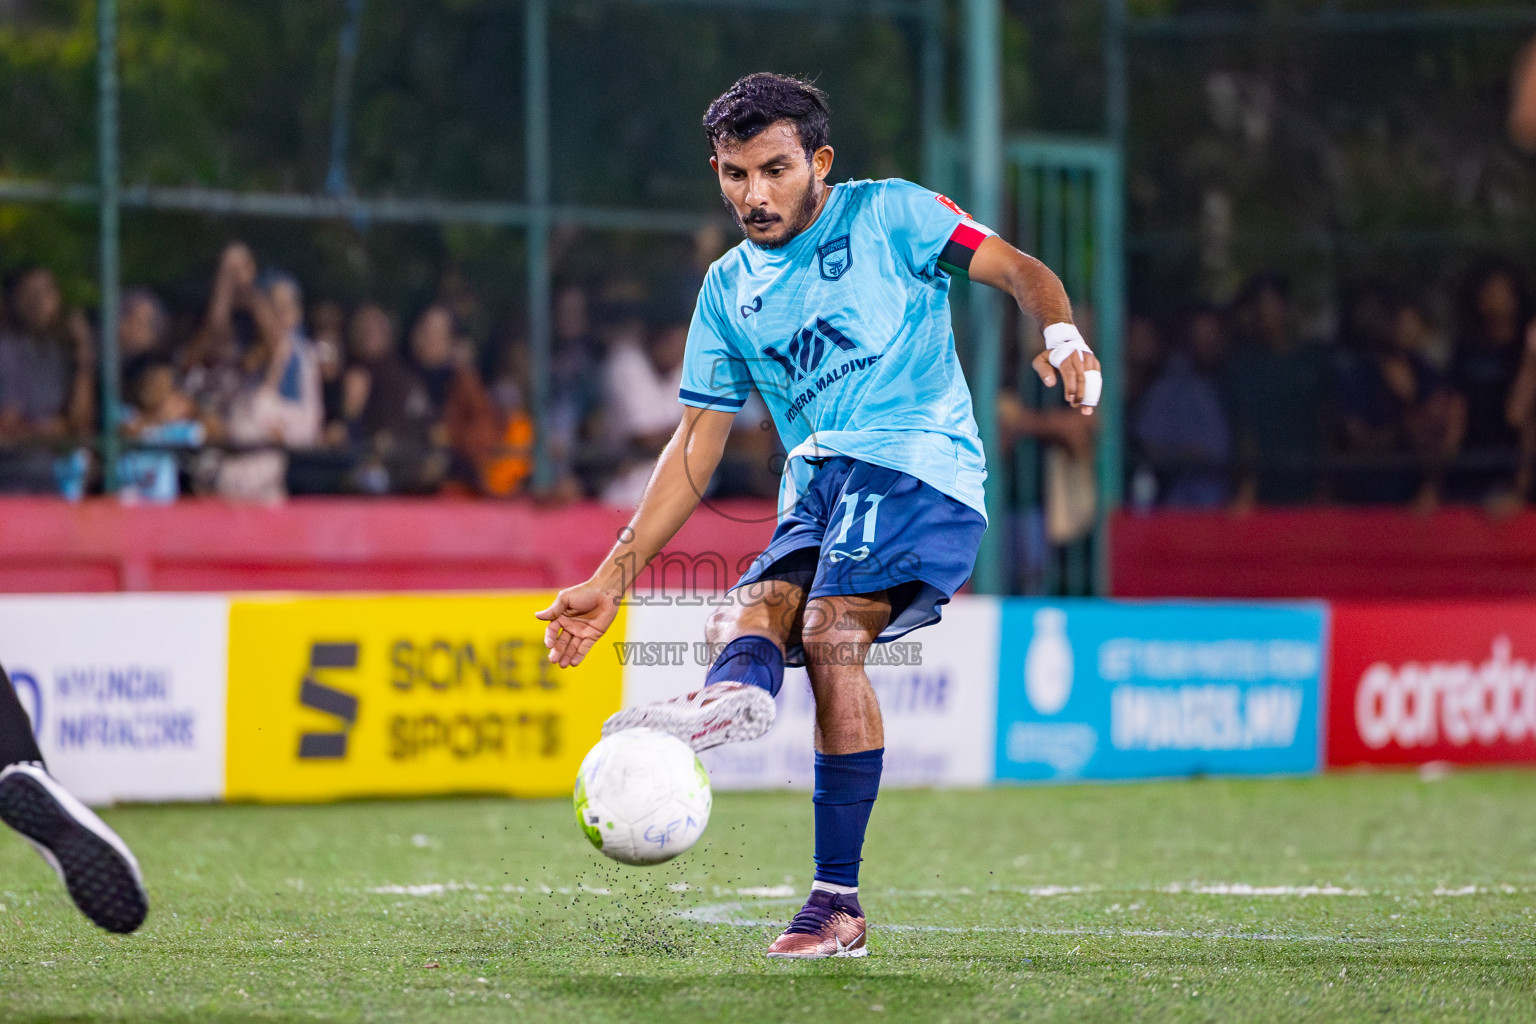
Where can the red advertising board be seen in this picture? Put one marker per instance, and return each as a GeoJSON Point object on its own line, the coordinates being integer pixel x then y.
{"type": "Point", "coordinates": [1413, 683]}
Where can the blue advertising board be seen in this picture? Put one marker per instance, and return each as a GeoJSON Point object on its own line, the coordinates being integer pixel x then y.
{"type": "Point", "coordinates": [1112, 690]}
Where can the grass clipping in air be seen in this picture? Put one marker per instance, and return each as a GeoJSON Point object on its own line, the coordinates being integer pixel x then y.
{"type": "Point", "coordinates": [1354, 897]}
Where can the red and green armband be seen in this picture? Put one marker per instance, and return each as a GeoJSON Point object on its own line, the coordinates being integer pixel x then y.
{"type": "Point", "coordinates": [958, 252]}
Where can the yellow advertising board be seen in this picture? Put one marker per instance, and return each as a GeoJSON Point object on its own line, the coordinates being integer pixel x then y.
{"type": "Point", "coordinates": [333, 697]}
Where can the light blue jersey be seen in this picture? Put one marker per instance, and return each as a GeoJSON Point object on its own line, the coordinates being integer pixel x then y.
{"type": "Point", "coordinates": [845, 332]}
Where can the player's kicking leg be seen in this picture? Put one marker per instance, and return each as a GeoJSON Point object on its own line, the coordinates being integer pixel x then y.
{"type": "Point", "coordinates": [95, 865]}
{"type": "Point", "coordinates": [735, 703]}
{"type": "Point", "coordinates": [850, 750]}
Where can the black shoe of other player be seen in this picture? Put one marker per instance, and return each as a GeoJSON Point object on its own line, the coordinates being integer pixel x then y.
{"type": "Point", "coordinates": [95, 865]}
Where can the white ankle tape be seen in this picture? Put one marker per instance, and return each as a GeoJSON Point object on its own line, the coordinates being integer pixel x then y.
{"type": "Point", "coordinates": [834, 888]}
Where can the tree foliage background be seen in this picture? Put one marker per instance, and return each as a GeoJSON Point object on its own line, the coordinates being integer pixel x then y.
{"type": "Point", "coordinates": [1331, 155]}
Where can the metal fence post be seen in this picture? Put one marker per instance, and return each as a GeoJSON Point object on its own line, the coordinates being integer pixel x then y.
{"type": "Point", "coordinates": [107, 114]}
{"type": "Point", "coordinates": [336, 181]}
{"type": "Point", "coordinates": [540, 326]}
{"type": "Point", "coordinates": [1109, 286]}
{"type": "Point", "coordinates": [984, 139]}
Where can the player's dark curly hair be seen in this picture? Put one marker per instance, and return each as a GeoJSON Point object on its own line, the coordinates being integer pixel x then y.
{"type": "Point", "coordinates": [760, 99]}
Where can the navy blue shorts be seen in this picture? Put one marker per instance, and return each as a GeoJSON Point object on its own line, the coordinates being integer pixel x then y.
{"type": "Point", "coordinates": [861, 529]}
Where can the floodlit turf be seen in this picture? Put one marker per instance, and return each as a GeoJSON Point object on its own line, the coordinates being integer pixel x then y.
{"type": "Point", "coordinates": [1392, 899]}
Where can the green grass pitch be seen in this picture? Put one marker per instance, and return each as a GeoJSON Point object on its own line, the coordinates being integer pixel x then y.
{"type": "Point", "coordinates": [1345, 898]}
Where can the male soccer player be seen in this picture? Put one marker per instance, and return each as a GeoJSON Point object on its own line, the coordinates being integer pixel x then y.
{"type": "Point", "coordinates": [836, 308]}
{"type": "Point", "coordinates": [95, 865]}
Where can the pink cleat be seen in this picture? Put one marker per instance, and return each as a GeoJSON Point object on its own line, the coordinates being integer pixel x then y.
{"type": "Point", "coordinates": [828, 925]}
{"type": "Point", "coordinates": [721, 713]}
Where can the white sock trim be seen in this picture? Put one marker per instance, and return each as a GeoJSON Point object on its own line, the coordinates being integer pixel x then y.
{"type": "Point", "coordinates": [834, 888]}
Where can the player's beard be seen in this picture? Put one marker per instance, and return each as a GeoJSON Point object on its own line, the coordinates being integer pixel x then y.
{"type": "Point", "coordinates": [802, 215]}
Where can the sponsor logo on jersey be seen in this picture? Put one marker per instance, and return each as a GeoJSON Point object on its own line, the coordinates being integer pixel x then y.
{"type": "Point", "coordinates": [836, 258]}
{"type": "Point", "coordinates": [756, 306]}
{"type": "Point", "coordinates": [805, 351]}
{"type": "Point", "coordinates": [946, 201]}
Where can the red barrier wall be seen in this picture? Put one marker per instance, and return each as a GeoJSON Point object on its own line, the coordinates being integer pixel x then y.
{"type": "Point", "coordinates": [48, 545]}
{"type": "Point", "coordinates": [1324, 553]}
{"type": "Point", "coordinates": [1409, 684]}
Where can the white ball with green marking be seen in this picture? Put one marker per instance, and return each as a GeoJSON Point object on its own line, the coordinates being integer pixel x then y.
{"type": "Point", "coordinates": [642, 796]}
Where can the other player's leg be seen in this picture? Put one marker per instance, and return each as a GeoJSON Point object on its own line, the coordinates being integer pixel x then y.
{"type": "Point", "coordinates": [95, 865]}
{"type": "Point", "coordinates": [850, 749]}
{"type": "Point", "coordinates": [749, 634]}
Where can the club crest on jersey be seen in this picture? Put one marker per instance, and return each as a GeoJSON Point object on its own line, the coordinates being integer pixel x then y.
{"type": "Point", "coordinates": [836, 257]}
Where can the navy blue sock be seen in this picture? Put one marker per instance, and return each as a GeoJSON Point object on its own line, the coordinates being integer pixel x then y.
{"type": "Point", "coordinates": [756, 660]}
{"type": "Point", "coordinates": [846, 787]}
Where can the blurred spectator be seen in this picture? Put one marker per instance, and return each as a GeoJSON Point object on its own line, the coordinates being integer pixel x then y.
{"type": "Point", "coordinates": [47, 382]}
{"type": "Point", "coordinates": [1067, 488]}
{"type": "Point", "coordinates": [231, 346]}
{"type": "Point", "coordinates": [327, 329]}
{"type": "Point", "coordinates": [1143, 357]}
{"type": "Point", "coordinates": [464, 418]}
{"type": "Point", "coordinates": [156, 401]}
{"type": "Point", "coordinates": [1181, 426]}
{"type": "Point", "coordinates": [1494, 310]}
{"type": "Point", "coordinates": [575, 391]}
{"type": "Point", "coordinates": [1522, 107]}
{"type": "Point", "coordinates": [1275, 391]}
{"type": "Point", "coordinates": [643, 409]}
{"type": "Point", "coordinates": [1417, 334]}
{"type": "Point", "coordinates": [158, 413]}
{"type": "Point", "coordinates": [142, 325]}
{"type": "Point", "coordinates": [511, 464]}
{"type": "Point", "coordinates": [1397, 414]}
{"type": "Point", "coordinates": [387, 410]}
{"type": "Point", "coordinates": [245, 370]}
{"type": "Point", "coordinates": [282, 405]}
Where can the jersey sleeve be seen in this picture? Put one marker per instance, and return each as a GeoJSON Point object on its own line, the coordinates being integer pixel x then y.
{"type": "Point", "coordinates": [715, 376]}
{"type": "Point", "coordinates": [930, 232]}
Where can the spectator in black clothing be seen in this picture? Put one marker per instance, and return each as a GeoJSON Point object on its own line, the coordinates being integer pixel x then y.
{"type": "Point", "coordinates": [1396, 413]}
{"type": "Point", "coordinates": [388, 410]}
{"type": "Point", "coordinates": [328, 328]}
{"type": "Point", "coordinates": [464, 420]}
{"type": "Point", "coordinates": [1494, 309]}
{"type": "Point", "coordinates": [575, 386]}
{"type": "Point", "coordinates": [1181, 425]}
{"type": "Point", "coordinates": [1275, 391]}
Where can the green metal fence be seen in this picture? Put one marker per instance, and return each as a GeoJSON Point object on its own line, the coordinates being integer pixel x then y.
{"type": "Point", "coordinates": [1063, 202]}
{"type": "Point", "coordinates": [988, 170]}
{"type": "Point", "coordinates": [1068, 212]}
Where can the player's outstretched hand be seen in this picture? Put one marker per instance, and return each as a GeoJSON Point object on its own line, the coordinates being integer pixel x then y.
{"type": "Point", "coordinates": [578, 618]}
{"type": "Point", "coordinates": [1080, 391]}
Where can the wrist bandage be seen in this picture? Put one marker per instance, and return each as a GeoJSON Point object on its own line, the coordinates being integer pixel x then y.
{"type": "Point", "coordinates": [1061, 340]}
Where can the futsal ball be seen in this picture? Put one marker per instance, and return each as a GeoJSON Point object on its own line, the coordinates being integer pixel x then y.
{"type": "Point", "coordinates": [642, 796]}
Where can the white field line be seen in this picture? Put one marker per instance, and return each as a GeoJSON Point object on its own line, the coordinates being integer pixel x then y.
{"type": "Point", "coordinates": [441, 888]}
{"type": "Point", "coordinates": [725, 914]}
{"type": "Point", "coordinates": [1241, 889]}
